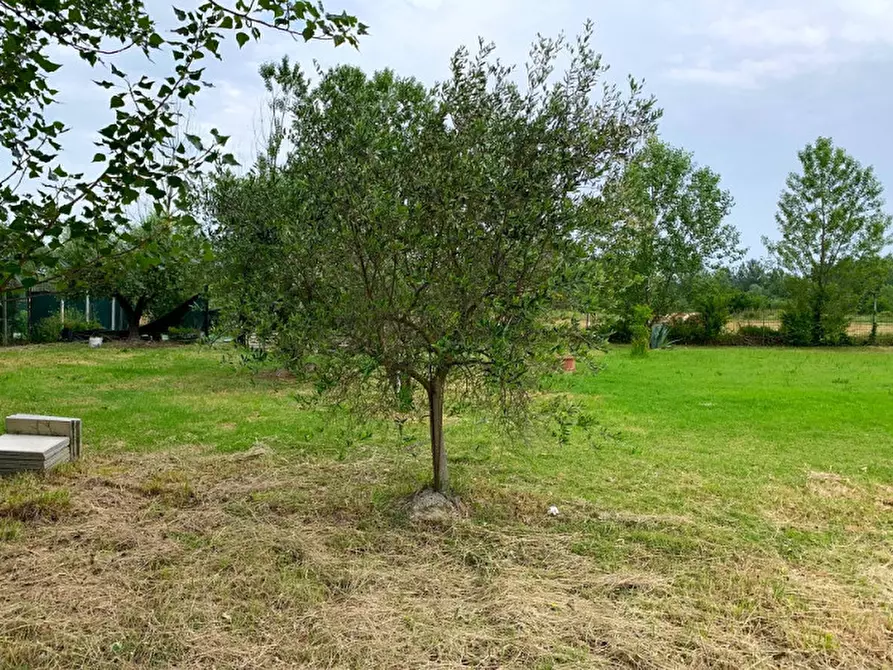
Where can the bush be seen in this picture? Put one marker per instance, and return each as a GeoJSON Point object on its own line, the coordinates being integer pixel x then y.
{"type": "Point", "coordinates": [690, 331]}
{"type": "Point", "coordinates": [714, 315]}
{"type": "Point", "coordinates": [641, 333]}
{"type": "Point", "coordinates": [799, 328]}
{"type": "Point", "coordinates": [750, 335]}
{"type": "Point", "coordinates": [50, 329]}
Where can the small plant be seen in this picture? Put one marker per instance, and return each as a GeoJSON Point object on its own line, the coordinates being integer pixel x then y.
{"type": "Point", "coordinates": [563, 416]}
{"type": "Point", "coordinates": [641, 334]}
{"type": "Point", "coordinates": [51, 328]}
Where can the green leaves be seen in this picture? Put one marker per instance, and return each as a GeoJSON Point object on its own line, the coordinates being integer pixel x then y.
{"type": "Point", "coordinates": [663, 221]}
{"type": "Point", "coordinates": [52, 204]}
{"type": "Point", "coordinates": [831, 213]}
{"type": "Point", "coordinates": [411, 234]}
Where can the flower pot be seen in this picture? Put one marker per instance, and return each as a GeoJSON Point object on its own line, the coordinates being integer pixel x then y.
{"type": "Point", "coordinates": [569, 364]}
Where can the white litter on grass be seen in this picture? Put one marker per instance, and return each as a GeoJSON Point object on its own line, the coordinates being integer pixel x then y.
{"type": "Point", "coordinates": [553, 511]}
{"type": "Point", "coordinates": [95, 342]}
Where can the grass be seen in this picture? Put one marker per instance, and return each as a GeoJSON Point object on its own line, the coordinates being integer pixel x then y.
{"type": "Point", "coordinates": [719, 508]}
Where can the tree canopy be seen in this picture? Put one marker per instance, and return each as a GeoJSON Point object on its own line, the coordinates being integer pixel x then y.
{"type": "Point", "coordinates": [163, 262]}
{"type": "Point", "coordinates": [412, 236]}
{"type": "Point", "coordinates": [43, 203]}
{"type": "Point", "coordinates": [665, 223]}
{"type": "Point", "coordinates": [830, 212]}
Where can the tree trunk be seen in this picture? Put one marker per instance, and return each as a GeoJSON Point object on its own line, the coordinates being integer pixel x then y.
{"type": "Point", "coordinates": [133, 325]}
{"type": "Point", "coordinates": [435, 421]}
{"type": "Point", "coordinates": [134, 314]}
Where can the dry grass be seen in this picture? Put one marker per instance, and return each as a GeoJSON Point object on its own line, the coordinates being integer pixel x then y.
{"type": "Point", "coordinates": [194, 559]}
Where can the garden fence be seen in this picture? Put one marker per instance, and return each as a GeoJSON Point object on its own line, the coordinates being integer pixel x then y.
{"type": "Point", "coordinates": [21, 311]}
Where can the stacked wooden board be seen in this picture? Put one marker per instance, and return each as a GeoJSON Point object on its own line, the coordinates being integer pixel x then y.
{"type": "Point", "coordinates": [34, 442]}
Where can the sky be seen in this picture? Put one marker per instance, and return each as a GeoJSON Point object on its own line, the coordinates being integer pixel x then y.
{"type": "Point", "coordinates": [744, 85]}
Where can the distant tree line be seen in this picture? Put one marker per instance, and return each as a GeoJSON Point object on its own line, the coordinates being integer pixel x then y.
{"type": "Point", "coordinates": [666, 240]}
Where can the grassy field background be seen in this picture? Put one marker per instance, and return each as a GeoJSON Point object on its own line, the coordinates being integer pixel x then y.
{"type": "Point", "coordinates": [719, 508]}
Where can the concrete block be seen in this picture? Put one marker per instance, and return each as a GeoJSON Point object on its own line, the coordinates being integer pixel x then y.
{"type": "Point", "coordinates": [57, 426]}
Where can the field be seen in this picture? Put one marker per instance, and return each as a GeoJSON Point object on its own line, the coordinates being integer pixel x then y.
{"type": "Point", "coordinates": [719, 508]}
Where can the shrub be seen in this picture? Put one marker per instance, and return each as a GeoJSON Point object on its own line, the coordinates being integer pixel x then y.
{"type": "Point", "coordinates": [184, 334]}
{"type": "Point", "coordinates": [799, 328]}
{"type": "Point", "coordinates": [750, 335]}
{"type": "Point", "coordinates": [690, 331]}
{"type": "Point", "coordinates": [50, 329]}
{"type": "Point", "coordinates": [714, 315]}
{"type": "Point", "coordinates": [641, 333]}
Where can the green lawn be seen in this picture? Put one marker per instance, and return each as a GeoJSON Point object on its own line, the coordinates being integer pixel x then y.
{"type": "Point", "coordinates": [719, 508]}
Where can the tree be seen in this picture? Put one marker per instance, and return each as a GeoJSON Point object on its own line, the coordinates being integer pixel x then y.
{"type": "Point", "coordinates": [830, 212]}
{"type": "Point", "coordinates": [872, 276]}
{"type": "Point", "coordinates": [665, 223]}
{"type": "Point", "coordinates": [43, 203]}
{"type": "Point", "coordinates": [423, 236]}
{"type": "Point", "coordinates": [165, 268]}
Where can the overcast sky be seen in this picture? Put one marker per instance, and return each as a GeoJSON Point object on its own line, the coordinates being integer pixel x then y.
{"type": "Point", "coordinates": [743, 84]}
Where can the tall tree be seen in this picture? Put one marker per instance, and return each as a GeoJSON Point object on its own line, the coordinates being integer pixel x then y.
{"type": "Point", "coordinates": [43, 202]}
{"type": "Point", "coordinates": [830, 212]}
{"type": "Point", "coordinates": [426, 235]}
{"type": "Point", "coordinates": [167, 265]}
{"type": "Point", "coordinates": [666, 223]}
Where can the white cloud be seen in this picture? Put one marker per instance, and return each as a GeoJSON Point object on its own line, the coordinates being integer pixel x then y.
{"type": "Point", "coordinates": [759, 42]}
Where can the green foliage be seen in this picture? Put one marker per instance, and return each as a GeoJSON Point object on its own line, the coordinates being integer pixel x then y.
{"type": "Point", "coordinates": [425, 235]}
{"type": "Point", "coordinates": [152, 268]}
{"type": "Point", "coordinates": [641, 333]}
{"type": "Point", "coordinates": [184, 334]}
{"type": "Point", "coordinates": [714, 314]}
{"type": "Point", "coordinates": [688, 331]}
{"type": "Point", "coordinates": [50, 328]}
{"type": "Point", "coordinates": [663, 223]}
{"type": "Point", "coordinates": [43, 202]}
{"type": "Point", "coordinates": [817, 315]}
{"type": "Point", "coordinates": [830, 215]}
{"type": "Point", "coordinates": [750, 335]}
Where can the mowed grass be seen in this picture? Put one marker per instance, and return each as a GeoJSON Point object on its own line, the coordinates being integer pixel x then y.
{"type": "Point", "coordinates": [718, 508]}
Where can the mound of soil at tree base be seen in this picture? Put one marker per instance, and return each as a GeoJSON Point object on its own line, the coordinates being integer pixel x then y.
{"type": "Point", "coordinates": [429, 505]}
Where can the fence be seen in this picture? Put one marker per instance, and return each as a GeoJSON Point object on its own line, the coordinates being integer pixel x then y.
{"type": "Point", "coordinates": [859, 329]}
{"type": "Point", "coordinates": [21, 311]}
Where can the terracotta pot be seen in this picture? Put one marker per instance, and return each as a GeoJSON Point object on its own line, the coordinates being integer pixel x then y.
{"type": "Point", "coordinates": [569, 364]}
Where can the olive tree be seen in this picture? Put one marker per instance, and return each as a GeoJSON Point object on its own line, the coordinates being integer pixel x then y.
{"type": "Point", "coordinates": [415, 235]}
{"type": "Point", "coordinates": [45, 200]}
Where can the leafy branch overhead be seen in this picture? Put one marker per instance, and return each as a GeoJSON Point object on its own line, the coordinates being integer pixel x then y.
{"type": "Point", "coordinates": [43, 202]}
